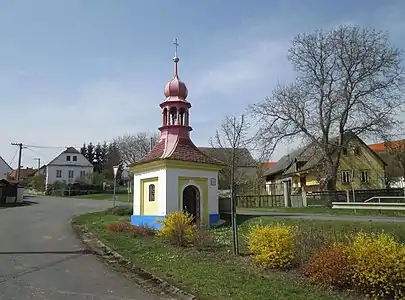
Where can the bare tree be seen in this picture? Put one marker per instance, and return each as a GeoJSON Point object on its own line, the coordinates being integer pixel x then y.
{"type": "Point", "coordinates": [133, 148]}
{"type": "Point", "coordinates": [231, 137]}
{"type": "Point", "coordinates": [349, 80]}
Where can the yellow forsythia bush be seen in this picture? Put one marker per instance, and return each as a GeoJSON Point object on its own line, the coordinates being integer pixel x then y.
{"type": "Point", "coordinates": [272, 245]}
{"type": "Point", "coordinates": [379, 265]}
{"type": "Point", "coordinates": [178, 228]}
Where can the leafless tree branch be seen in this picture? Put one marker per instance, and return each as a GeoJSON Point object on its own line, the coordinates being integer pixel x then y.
{"type": "Point", "coordinates": [349, 79]}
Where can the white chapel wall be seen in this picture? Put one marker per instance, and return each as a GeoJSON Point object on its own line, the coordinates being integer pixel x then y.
{"type": "Point", "coordinates": [161, 190]}
{"type": "Point", "coordinates": [173, 188]}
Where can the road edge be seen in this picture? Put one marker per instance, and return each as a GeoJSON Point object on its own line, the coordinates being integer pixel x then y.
{"type": "Point", "coordinates": [125, 266]}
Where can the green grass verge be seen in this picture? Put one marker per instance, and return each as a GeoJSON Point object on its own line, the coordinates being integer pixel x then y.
{"type": "Point", "coordinates": [104, 196]}
{"type": "Point", "coordinates": [219, 275]}
{"type": "Point", "coordinates": [330, 211]}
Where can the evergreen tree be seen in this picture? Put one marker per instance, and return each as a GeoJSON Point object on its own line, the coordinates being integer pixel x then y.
{"type": "Point", "coordinates": [90, 153]}
{"type": "Point", "coordinates": [104, 154]}
{"type": "Point", "coordinates": [98, 159]}
{"type": "Point", "coordinates": [83, 150]}
{"type": "Point", "coordinates": [113, 159]}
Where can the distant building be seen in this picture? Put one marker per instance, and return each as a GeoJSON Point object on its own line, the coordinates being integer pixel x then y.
{"type": "Point", "coordinates": [69, 167]}
{"type": "Point", "coordinates": [25, 173]}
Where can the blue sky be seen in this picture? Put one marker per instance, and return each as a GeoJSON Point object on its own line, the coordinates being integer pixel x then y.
{"type": "Point", "coordinates": [79, 71]}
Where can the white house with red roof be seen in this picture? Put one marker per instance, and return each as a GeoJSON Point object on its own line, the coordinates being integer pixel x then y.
{"type": "Point", "coordinates": [175, 175]}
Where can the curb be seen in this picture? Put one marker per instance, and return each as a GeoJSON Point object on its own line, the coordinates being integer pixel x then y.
{"type": "Point", "coordinates": [139, 275]}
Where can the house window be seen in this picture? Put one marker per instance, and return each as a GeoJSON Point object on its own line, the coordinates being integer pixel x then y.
{"type": "Point", "coordinates": [364, 177]}
{"type": "Point", "coordinates": [151, 192]}
{"type": "Point", "coordinates": [75, 158]}
{"type": "Point", "coordinates": [346, 177]}
{"type": "Point", "coordinates": [58, 173]}
{"type": "Point", "coordinates": [68, 158]}
{"type": "Point", "coordinates": [71, 174]}
{"type": "Point", "coordinates": [344, 151]}
{"type": "Point", "coordinates": [356, 150]}
{"type": "Point", "coordinates": [82, 173]}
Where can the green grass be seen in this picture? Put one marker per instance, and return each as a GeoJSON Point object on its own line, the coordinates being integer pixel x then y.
{"type": "Point", "coordinates": [330, 211]}
{"type": "Point", "coordinates": [218, 274]}
{"type": "Point", "coordinates": [118, 197]}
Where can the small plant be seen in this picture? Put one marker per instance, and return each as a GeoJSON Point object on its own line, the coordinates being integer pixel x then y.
{"type": "Point", "coordinates": [330, 266]}
{"type": "Point", "coordinates": [120, 210]}
{"type": "Point", "coordinates": [119, 227]}
{"type": "Point", "coordinates": [178, 228]}
{"type": "Point", "coordinates": [379, 265]}
{"type": "Point", "coordinates": [272, 245]}
{"type": "Point", "coordinates": [142, 230]}
{"type": "Point", "coordinates": [203, 238]}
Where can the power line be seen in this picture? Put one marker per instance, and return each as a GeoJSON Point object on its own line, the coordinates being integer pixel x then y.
{"type": "Point", "coordinates": [12, 160]}
{"type": "Point", "coordinates": [20, 148]}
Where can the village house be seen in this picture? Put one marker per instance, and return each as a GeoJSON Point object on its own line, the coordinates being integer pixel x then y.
{"type": "Point", "coordinates": [246, 165]}
{"type": "Point", "coordinates": [68, 167]}
{"type": "Point", "coordinates": [393, 153]}
{"type": "Point", "coordinates": [25, 173]}
{"type": "Point", "coordinates": [5, 169]}
{"type": "Point", "coordinates": [359, 168]}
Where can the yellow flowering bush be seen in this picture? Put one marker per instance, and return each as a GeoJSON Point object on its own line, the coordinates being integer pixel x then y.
{"type": "Point", "coordinates": [379, 265]}
{"type": "Point", "coordinates": [272, 245]}
{"type": "Point", "coordinates": [178, 228]}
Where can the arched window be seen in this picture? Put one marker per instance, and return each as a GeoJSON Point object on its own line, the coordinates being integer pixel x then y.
{"type": "Point", "coordinates": [173, 115]}
{"type": "Point", "coordinates": [182, 113]}
{"type": "Point", "coordinates": [164, 116]}
{"type": "Point", "coordinates": [151, 192]}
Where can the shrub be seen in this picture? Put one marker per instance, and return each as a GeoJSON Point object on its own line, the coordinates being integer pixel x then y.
{"type": "Point", "coordinates": [119, 227]}
{"type": "Point", "coordinates": [142, 230]}
{"type": "Point", "coordinates": [379, 265]}
{"type": "Point", "coordinates": [178, 228]}
{"type": "Point", "coordinates": [120, 210]}
{"type": "Point", "coordinates": [272, 245]}
{"type": "Point", "coordinates": [330, 266]}
{"type": "Point", "coordinates": [203, 238]}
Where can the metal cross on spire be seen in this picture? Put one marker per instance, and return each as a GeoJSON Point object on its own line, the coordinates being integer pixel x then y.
{"type": "Point", "coordinates": [176, 45]}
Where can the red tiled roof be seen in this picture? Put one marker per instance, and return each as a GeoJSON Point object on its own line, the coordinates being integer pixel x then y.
{"type": "Point", "coordinates": [24, 173]}
{"type": "Point", "coordinates": [381, 147]}
{"type": "Point", "coordinates": [269, 164]}
{"type": "Point", "coordinates": [185, 150]}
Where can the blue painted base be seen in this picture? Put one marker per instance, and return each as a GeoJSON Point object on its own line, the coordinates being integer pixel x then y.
{"type": "Point", "coordinates": [214, 218]}
{"type": "Point", "coordinates": [150, 221]}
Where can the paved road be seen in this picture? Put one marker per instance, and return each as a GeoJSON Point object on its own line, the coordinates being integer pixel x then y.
{"type": "Point", "coordinates": [307, 216]}
{"type": "Point", "coordinates": [41, 258]}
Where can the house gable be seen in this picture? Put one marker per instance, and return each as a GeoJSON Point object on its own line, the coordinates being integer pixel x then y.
{"type": "Point", "coordinates": [5, 168]}
{"type": "Point", "coordinates": [70, 157]}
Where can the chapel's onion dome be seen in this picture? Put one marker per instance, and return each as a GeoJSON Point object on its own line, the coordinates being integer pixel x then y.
{"type": "Point", "coordinates": [176, 87]}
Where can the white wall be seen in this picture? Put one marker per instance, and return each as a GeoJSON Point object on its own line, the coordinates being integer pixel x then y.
{"type": "Point", "coordinates": [168, 189]}
{"type": "Point", "coordinates": [161, 190]}
{"type": "Point", "coordinates": [4, 169]}
{"type": "Point", "coordinates": [51, 172]}
{"type": "Point", "coordinates": [173, 190]}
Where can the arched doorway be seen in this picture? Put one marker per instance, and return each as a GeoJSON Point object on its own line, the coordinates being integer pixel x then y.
{"type": "Point", "coordinates": [191, 202]}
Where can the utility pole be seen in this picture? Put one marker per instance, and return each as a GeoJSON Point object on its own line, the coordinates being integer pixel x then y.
{"type": "Point", "coordinates": [39, 163]}
{"type": "Point", "coordinates": [20, 145]}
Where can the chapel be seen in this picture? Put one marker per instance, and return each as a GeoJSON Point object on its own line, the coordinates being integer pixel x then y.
{"type": "Point", "coordinates": [175, 175]}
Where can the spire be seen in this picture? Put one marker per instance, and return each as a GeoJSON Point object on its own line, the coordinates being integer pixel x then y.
{"type": "Point", "coordinates": [176, 58]}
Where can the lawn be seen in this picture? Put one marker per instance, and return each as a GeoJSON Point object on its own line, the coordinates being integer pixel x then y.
{"type": "Point", "coordinates": [218, 274]}
{"type": "Point", "coordinates": [105, 196]}
{"type": "Point", "coordinates": [329, 211]}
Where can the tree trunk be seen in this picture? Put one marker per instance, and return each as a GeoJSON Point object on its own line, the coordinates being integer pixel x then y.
{"type": "Point", "coordinates": [331, 180]}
